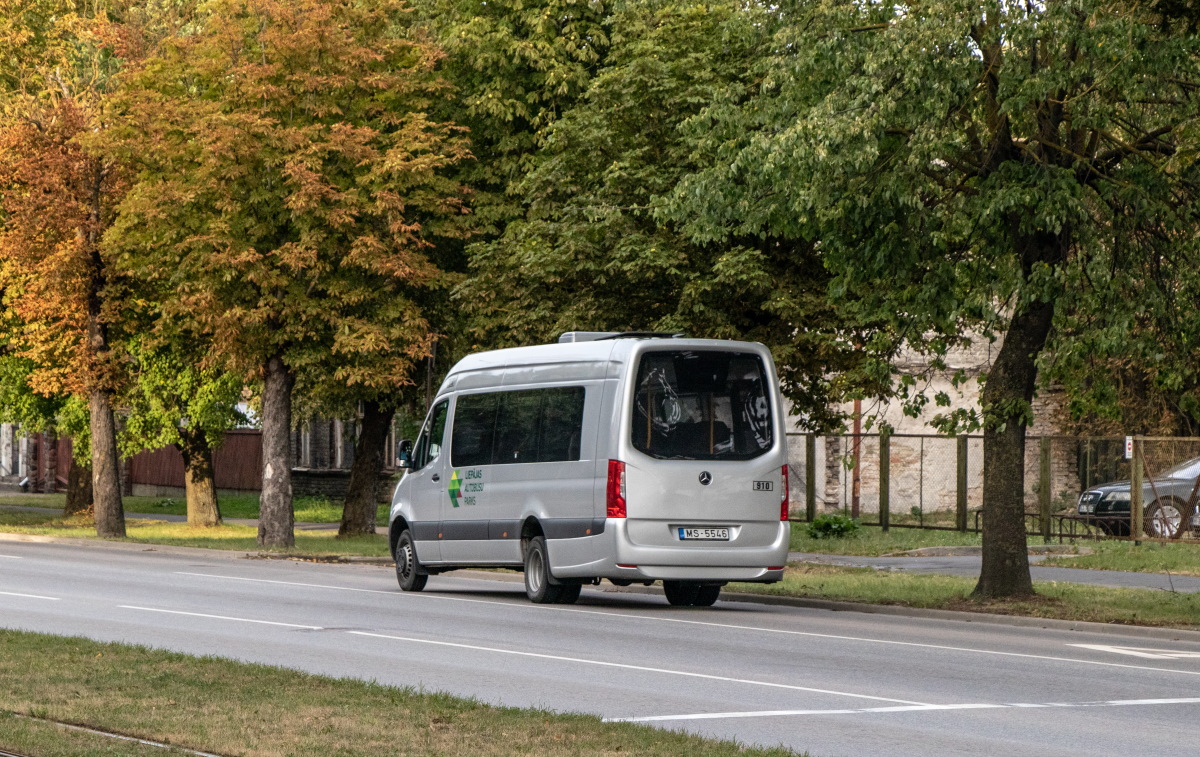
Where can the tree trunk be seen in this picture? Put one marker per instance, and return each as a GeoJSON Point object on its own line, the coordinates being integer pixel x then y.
{"type": "Point", "coordinates": [1006, 399]}
{"type": "Point", "coordinates": [33, 467]}
{"type": "Point", "coordinates": [362, 493]}
{"type": "Point", "coordinates": [79, 490]}
{"type": "Point", "coordinates": [106, 479]}
{"type": "Point", "coordinates": [276, 519]}
{"type": "Point", "coordinates": [198, 480]}
{"type": "Point", "coordinates": [51, 461]}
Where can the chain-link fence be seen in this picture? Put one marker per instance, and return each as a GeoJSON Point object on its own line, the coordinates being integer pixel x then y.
{"type": "Point", "coordinates": [930, 481]}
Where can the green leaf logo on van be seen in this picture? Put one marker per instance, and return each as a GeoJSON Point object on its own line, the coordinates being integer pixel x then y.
{"type": "Point", "coordinates": [455, 488]}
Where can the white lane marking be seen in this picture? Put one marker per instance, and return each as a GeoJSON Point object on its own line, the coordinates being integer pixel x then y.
{"type": "Point", "coordinates": [730, 626]}
{"type": "Point", "coordinates": [626, 666]}
{"type": "Point", "coordinates": [28, 596]}
{"type": "Point", "coordinates": [219, 617]}
{"type": "Point", "coordinates": [309, 586]}
{"type": "Point", "coordinates": [1149, 654]}
{"type": "Point", "coordinates": [918, 708]}
{"type": "Point", "coordinates": [10, 557]}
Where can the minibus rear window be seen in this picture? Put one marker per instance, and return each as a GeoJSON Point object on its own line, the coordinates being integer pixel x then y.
{"type": "Point", "coordinates": [701, 406]}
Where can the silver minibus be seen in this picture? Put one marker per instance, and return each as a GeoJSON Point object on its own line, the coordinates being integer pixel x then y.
{"type": "Point", "coordinates": [632, 458]}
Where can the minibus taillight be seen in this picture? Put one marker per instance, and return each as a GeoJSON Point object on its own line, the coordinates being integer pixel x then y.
{"type": "Point", "coordinates": [784, 502]}
{"type": "Point", "coordinates": [616, 489]}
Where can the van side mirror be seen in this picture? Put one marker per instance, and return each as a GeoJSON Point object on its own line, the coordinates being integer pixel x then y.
{"type": "Point", "coordinates": [404, 454]}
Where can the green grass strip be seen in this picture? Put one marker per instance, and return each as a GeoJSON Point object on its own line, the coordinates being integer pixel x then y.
{"type": "Point", "coordinates": [216, 705]}
{"type": "Point", "coordinates": [872, 541]}
{"type": "Point", "coordinates": [317, 544]}
{"type": "Point", "coordinates": [306, 509]}
{"type": "Point", "coordinates": [1065, 601]}
{"type": "Point", "coordinates": [1181, 559]}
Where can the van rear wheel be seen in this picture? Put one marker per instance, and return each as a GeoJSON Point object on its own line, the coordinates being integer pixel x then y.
{"type": "Point", "coordinates": [706, 596]}
{"type": "Point", "coordinates": [537, 574]}
{"type": "Point", "coordinates": [681, 593]}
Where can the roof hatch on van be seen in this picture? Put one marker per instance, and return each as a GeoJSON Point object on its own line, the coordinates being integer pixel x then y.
{"type": "Point", "coordinates": [596, 336]}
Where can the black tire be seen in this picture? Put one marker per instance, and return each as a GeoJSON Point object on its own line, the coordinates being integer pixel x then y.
{"type": "Point", "coordinates": [681, 593]}
{"type": "Point", "coordinates": [568, 594]}
{"type": "Point", "coordinates": [538, 586]}
{"type": "Point", "coordinates": [1165, 519]}
{"type": "Point", "coordinates": [706, 596]}
{"type": "Point", "coordinates": [409, 573]}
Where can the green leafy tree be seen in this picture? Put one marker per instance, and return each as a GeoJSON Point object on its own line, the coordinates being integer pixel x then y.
{"type": "Point", "coordinates": [988, 167]}
{"type": "Point", "coordinates": [57, 416]}
{"type": "Point", "coordinates": [594, 250]}
{"type": "Point", "coordinates": [289, 184]}
{"type": "Point", "coordinates": [58, 60]}
{"type": "Point", "coordinates": [515, 66]}
{"type": "Point", "coordinates": [174, 402]}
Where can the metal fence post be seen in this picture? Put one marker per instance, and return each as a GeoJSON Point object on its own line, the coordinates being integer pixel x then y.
{"type": "Point", "coordinates": [885, 466]}
{"type": "Point", "coordinates": [961, 514]}
{"type": "Point", "coordinates": [1135, 493]}
{"type": "Point", "coordinates": [810, 478]}
{"type": "Point", "coordinates": [1044, 484]}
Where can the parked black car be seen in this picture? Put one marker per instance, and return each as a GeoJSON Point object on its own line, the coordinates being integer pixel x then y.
{"type": "Point", "coordinates": [1169, 503]}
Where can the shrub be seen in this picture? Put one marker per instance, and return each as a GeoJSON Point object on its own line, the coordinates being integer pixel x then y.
{"type": "Point", "coordinates": [832, 526]}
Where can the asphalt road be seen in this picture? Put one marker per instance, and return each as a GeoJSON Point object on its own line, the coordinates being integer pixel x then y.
{"type": "Point", "coordinates": [832, 683]}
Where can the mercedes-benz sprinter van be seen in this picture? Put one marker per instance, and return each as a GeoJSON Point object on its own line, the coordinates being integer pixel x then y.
{"type": "Point", "coordinates": [629, 457]}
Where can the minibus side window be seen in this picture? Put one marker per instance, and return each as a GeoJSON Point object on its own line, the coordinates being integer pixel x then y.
{"type": "Point", "coordinates": [561, 424]}
{"type": "Point", "coordinates": [474, 430]}
{"type": "Point", "coordinates": [429, 443]}
{"type": "Point", "coordinates": [522, 426]}
{"type": "Point", "coordinates": [517, 428]}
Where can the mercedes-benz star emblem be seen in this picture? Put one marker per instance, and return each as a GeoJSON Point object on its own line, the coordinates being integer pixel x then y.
{"type": "Point", "coordinates": [706, 478]}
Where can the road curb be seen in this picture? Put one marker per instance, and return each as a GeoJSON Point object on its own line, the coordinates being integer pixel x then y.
{"type": "Point", "coordinates": [1019, 621]}
{"type": "Point", "coordinates": [232, 554]}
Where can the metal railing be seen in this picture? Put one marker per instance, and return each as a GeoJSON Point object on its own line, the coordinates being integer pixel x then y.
{"type": "Point", "coordinates": [932, 481]}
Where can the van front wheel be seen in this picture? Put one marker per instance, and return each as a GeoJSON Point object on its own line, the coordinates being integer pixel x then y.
{"type": "Point", "coordinates": [537, 574]}
{"type": "Point", "coordinates": [409, 573]}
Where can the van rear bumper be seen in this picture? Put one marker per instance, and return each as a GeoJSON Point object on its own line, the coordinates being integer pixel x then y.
{"type": "Point", "coordinates": [612, 554]}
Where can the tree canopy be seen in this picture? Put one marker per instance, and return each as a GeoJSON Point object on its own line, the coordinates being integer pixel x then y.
{"type": "Point", "coordinates": [57, 197]}
{"type": "Point", "coordinates": [971, 167]}
{"type": "Point", "coordinates": [288, 183]}
{"type": "Point", "coordinates": [595, 248]}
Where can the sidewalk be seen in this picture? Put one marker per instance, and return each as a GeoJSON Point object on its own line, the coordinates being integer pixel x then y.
{"type": "Point", "coordinates": [969, 566]}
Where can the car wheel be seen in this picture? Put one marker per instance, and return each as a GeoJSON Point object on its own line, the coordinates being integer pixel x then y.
{"type": "Point", "coordinates": [706, 596]}
{"type": "Point", "coordinates": [1164, 519]}
{"type": "Point", "coordinates": [1114, 526]}
{"type": "Point", "coordinates": [409, 573]}
{"type": "Point", "coordinates": [537, 574]}
{"type": "Point", "coordinates": [681, 593]}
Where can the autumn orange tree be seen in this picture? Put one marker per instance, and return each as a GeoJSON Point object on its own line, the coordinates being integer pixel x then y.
{"type": "Point", "coordinates": [58, 60]}
{"type": "Point", "coordinates": [288, 182]}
